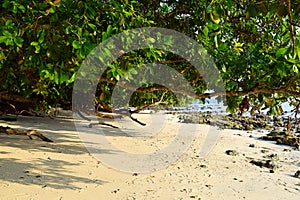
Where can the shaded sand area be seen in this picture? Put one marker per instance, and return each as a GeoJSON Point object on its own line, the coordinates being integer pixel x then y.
{"type": "Point", "coordinates": [64, 169]}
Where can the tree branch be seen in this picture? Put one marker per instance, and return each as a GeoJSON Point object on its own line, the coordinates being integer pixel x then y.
{"type": "Point", "coordinates": [292, 32]}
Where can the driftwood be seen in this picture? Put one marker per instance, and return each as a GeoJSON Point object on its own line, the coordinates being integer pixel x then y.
{"type": "Point", "coordinates": [29, 133]}
{"type": "Point", "coordinates": [128, 113]}
{"type": "Point", "coordinates": [120, 113]}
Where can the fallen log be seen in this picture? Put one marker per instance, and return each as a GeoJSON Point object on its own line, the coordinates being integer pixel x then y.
{"type": "Point", "coordinates": [29, 133]}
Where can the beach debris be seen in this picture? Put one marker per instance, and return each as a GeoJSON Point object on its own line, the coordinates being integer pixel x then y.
{"type": "Point", "coordinates": [232, 152]}
{"type": "Point", "coordinates": [209, 186]}
{"type": "Point", "coordinates": [29, 133]}
{"type": "Point", "coordinates": [287, 150]}
{"type": "Point", "coordinates": [234, 121]}
{"type": "Point", "coordinates": [272, 162]}
{"type": "Point", "coordinates": [283, 137]}
{"type": "Point", "coordinates": [297, 174]}
{"type": "Point", "coordinates": [257, 163]}
{"type": "Point", "coordinates": [264, 151]}
{"type": "Point", "coordinates": [230, 121]}
{"type": "Point", "coordinates": [283, 131]}
{"type": "Point", "coordinates": [272, 156]}
{"type": "Point", "coordinates": [236, 179]}
{"type": "Point", "coordinates": [201, 165]}
{"type": "Point", "coordinates": [115, 191]}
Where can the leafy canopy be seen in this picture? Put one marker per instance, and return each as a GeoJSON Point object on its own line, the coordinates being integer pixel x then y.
{"type": "Point", "coordinates": [255, 45]}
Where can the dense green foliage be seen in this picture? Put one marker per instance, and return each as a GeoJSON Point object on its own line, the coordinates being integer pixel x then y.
{"type": "Point", "coordinates": [43, 44]}
{"type": "Point", "coordinates": [255, 45]}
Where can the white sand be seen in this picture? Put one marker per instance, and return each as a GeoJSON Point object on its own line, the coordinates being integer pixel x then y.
{"type": "Point", "coordinates": [33, 169]}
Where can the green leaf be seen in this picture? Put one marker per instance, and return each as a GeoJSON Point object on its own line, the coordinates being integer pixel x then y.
{"type": "Point", "coordinates": [109, 30]}
{"type": "Point", "coordinates": [42, 37]}
{"type": "Point", "coordinates": [149, 54]}
{"type": "Point", "coordinates": [295, 69]}
{"type": "Point", "coordinates": [223, 46]}
{"type": "Point", "coordinates": [205, 31]}
{"type": "Point", "coordinates": [121, 21]}
{"type": "Point", "coordinates": [18, 41]}
{"type": "Point", "coordinates": [63, 77]}
{"type": "Point", "coordinates": [9, 23]}
{"type": "Point", "coordinates": [272, 111]}
{"type": "Point", "coordinates": [6, 4]}
{"type": "Point", "coordinates": [22, 8]}
{"type": "Point", "coordinates": [120, 71]}
{"type": "Point", "coordinates": [68, 29]}
{"type": "Point", "coordinates": [3, 39]}
{"type": "Point", "coordinates": [213, 26]}
{"type": "Point", "coordinates": [104, 36]}
{"type": "Point", "coordinates": [91, 13]}
{"type": "Point", "coordinates": [52, 10]}
{"type": "Point", "coordinates": [34, 43]}
{"type": "Point", "coordinates": [56, 78]}
{"type": "Point", "coordinates": [216, 41]}
{"type": "Point", "coordinates": [281, 71]}
{"type": "Point", "coordinates": [93, 26]}
{"type": "Point", "coordinates": [37, 48]}
{"type": "Point", "coordinates": [73, 77]}
{"type": "Point", "coordinates": [89, 46]}
{"type": "Point", "coordinates": [6, 33]}
{"type": "Point", "coordinates": [280, 52]}
{"type": "Point", "coordinates": [215, 17]}
{"type": "Point", "coordinates": [82, 53]}
{"type": "Point", "coordinates": [79, 29]}
{"type": "Point", "coordinates": [2, 57]}
{"type": "Point", "coordinates": [76, 44]}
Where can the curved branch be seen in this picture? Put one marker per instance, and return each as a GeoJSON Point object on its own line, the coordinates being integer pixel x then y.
{"type": "Point", "coordinates": [255, 90]}
{"type": "Point", "coordinates": [292, 32]}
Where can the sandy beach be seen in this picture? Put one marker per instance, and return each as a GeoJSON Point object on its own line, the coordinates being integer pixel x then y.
{"type": "Point", "coordinates": [65, 169]}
